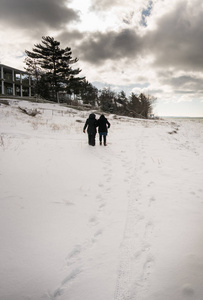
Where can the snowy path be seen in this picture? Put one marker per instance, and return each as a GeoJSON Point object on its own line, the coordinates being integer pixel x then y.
{"type": "Point", "coordinates": [134, 247]}
{"type": "Point", "coordinates": [121, 222]}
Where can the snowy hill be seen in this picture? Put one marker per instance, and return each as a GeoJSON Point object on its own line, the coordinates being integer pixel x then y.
{"type": "Point", "coordinates": [99, 223]}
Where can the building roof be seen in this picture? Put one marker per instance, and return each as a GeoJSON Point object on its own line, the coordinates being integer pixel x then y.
{"type": "Point", "coordinates": [11, 68]}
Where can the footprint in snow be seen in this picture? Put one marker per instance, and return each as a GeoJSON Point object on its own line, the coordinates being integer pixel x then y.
{"type": "Point", "coordinates": [147, 267]}
{"type": "Point", "coordinates": [71, 276]}
{"type": "Point", "coordinates": [99, 197]}
{"type": "Point", "coordinates": [148, 229]}
{"type": "Point", "coordinates": [151, 200]}
{"type": "Point", "coordinates": [64, 284]}
{"type": "Point", "coordinates": [188, 291]}
{"type": "Point", "coordinates": [108, 189]}
{"type": "Point", "coordinates": [108, 179]}
{"type": "Point", "coordinates": [101, 207]}
{"type": "Point", "coordinates": [96, 236]}
{"type": "Point", "coordinates": [98, 232]}
{"type": "Point", "coordinates": [72, 256]}
{"type": "Point", "coordinates": [93, 220]}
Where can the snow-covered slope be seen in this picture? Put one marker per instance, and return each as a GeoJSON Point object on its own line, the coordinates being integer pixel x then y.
{"type": "Point", "coordinates": [99, 223]}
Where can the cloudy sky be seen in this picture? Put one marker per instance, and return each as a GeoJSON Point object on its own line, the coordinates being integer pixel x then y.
{"type": "Point", "coordinates": [155, 47]}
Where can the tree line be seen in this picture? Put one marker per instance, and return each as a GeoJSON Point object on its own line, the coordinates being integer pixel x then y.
{"type": "Point", "coordinates": [54, 78]}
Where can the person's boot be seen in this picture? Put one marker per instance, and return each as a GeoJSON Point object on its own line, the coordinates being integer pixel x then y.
{"type": "Point", "coordinates": [100, 143]}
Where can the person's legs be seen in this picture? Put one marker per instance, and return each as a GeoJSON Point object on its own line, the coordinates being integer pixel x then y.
{"type": "Point", "coordinates": [89, 139]}
{"type": "Point", "coordinates": [102, 134]}
{"type": "Point", "coordinates": [104, 140]}
{"type": "Point", "coordinates": [100, 139]}
{"type": "Point", "coordinates": [92, 139]}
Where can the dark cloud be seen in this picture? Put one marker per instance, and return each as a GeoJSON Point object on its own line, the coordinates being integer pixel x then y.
{"type": "Point", "coordinates": [36, 13]}
{"type": "Point", "coordinates": [69, 38]}
{"type": "Point", "coordinates": [98, 47]}
{"type": "Point", "coordinates": [178, 40]}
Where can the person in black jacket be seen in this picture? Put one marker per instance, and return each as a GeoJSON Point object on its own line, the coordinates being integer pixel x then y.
{"type": "Point", "coordinates": [91, 124]}
{"type": "Point", "coordinates": [103, 125]}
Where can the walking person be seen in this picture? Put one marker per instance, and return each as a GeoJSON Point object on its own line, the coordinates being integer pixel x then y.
{"type": "Point", "coordinates": [103, 125]}
{"type": "Point", "coordinates": [91, 124]}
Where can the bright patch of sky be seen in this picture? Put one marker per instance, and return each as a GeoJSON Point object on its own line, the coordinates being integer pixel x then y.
{"type": "Point", "coordinates": [92, 21]}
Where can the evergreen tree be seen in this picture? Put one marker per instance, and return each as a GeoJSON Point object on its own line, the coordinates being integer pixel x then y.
{"type": "Point", "coordinates": [121, 102]}
{"type": "Point", "coordinates": [89, 93]}
{"type": "Point", "coordinates": [107, 100]}
{"type": "Point", "coordinates": [134, 104]}
{"type": "Point", "coordinates": [122, 98]}
{"type": "Point", "coordinates": [140, 106]}
{"type": "Point", "coordinates": [55, 63]}
{"type": "Point", "coordinates": [33, 68]}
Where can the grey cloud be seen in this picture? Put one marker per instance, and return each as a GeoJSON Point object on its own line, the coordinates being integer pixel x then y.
{"type": "Point", "coordinates": [99, 47]}
{"type": "Point", "coordinates": [36, 13]}
{"type": "Point", "coordinates": [185, 84]}
{"type": "Point", "coordinates": [185, 81]}
{"type": "Point", "coordinates": [70, 38]}
{"type": "Point", "coordinates": [182, 92]}
{"type": "Point", "coordinates": [102, 5]}
{"type": "Point", "coordinates": [178, 40]}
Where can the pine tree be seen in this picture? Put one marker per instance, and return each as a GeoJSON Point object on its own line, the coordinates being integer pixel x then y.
{"type": "Point", "coordinates": [55, 64]}
{"type": "Point", "coordinates": [107, 100]}
{"type": "Point", "coordinates": [140, 106]}
{"type": "Point", "coordinates": [89, 93]}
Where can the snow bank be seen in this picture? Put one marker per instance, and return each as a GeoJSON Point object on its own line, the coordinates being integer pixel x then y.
{"type": "Point", "coordinates": [116, 222]}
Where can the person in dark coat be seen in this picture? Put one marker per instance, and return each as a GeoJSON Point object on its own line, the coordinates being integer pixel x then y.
{"type": "Point", "coordinates": [103, 125]}
{"type": "Point", "coordinates": [91, 125]}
